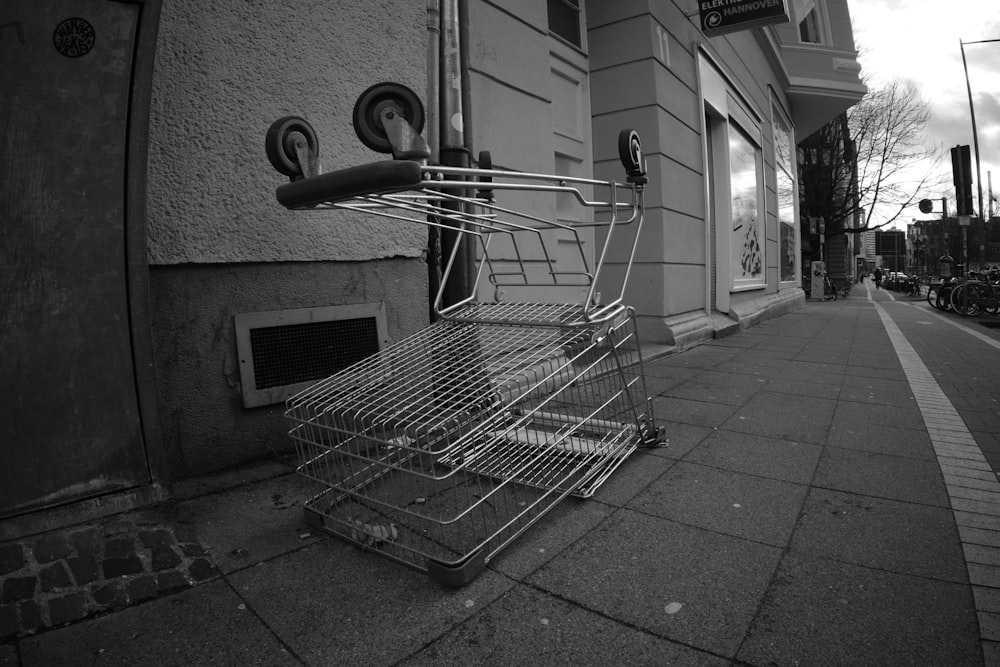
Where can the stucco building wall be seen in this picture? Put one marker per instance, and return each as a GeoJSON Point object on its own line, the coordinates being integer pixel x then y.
{"type": "Point", "coordinates": [646, 61]}
{"type": "Point", "coordinates": [218, 241]}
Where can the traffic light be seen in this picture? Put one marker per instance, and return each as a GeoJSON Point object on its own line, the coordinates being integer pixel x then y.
{"type": "Point", "coordinates": [961, 168]}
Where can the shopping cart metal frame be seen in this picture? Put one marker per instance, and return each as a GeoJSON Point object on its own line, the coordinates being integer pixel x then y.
{"type": "Point", "coordinates": [441, 449]}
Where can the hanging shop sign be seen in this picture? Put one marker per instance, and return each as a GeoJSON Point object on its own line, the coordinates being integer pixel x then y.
{"type": "Point", "coordinates": [719, 17]}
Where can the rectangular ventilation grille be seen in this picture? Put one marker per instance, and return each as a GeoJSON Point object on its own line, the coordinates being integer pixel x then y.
{"type": "Point", "coordinates": [283, 352]}
{"type": "Point", "coordinates": [309, 352]}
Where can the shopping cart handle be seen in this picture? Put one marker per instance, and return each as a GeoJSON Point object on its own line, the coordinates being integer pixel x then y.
{"type": "Point", "coordinates": [343, 184]}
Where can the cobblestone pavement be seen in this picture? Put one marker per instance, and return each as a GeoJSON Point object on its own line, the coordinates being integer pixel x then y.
{"type": "Point", "coordinates": [67, 575]}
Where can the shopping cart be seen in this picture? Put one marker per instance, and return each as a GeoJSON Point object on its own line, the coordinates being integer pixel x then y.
{"type": "Point", "coordinates": [442, 448]}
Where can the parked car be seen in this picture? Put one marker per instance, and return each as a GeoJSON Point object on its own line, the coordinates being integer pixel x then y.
{"type": "Point", "coordinates": [895, 279]}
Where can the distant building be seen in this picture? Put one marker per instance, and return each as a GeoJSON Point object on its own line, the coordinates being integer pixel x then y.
{"type": "Point", "coordinates": [890, 246]}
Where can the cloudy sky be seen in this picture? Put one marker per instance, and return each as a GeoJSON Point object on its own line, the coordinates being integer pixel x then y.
{"type": "Point", "coordinates": [919, 40]}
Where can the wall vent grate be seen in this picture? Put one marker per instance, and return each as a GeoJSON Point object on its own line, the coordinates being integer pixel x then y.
{"type": "Point", "coordinates": [283, 352]}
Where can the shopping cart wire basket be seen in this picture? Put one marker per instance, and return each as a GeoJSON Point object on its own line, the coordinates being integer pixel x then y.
{"type": "Point", "coordinates": [440, 449]}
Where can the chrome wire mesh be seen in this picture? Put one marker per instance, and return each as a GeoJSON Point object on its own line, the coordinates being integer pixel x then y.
{"type": "Point", "coordinates": [442, 448]}
{"type": "Point", "coordinates": [456, 439]}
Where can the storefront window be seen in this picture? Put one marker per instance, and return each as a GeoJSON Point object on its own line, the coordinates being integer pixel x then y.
{"type": "Point", "coordinates": [746, 186]}
{"type": "Point", "coordinates": [785, 192]}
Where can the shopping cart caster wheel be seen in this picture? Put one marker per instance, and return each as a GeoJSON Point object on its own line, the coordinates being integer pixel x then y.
{"type": "Point", "coordinates": [486, 163]}
{"type": "Point", "coordinates": [630, 152]}
{"type": "Point", "coordinates": [279, 144]}
{"type": "Point", "coordinates": [368, 113]}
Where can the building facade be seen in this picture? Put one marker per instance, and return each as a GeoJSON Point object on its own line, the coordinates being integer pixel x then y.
{"type": "Point", "coordinates": [156, 226]}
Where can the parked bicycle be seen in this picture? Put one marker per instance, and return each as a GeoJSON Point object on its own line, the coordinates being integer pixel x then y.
{"type": "Point", "coordinates": [975, 295]}
{"type": "Point", "coordinates": [932, 292]}
{"type": "Point", "coordinates": [942, 295]}
{"type": "Point", "coordinates": [911, 287]}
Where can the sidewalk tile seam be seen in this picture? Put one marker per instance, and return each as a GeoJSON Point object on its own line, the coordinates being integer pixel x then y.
{"type": "Point", "coordinates": [974, 520]}
{"type": "Point", "coordinates": [991, 485]}
{"type": "Point", "coordinates": [981, 553]}
{"type": "Point", "coordinates": [948, 427]}
{"type": "Point", "coordinates": [969, 473]}
{"type": "Point", "coordinates": [964, 463]}
{"type": "Point", "coordinates": [958, 448]}
{"type": "Point", "coordinates": [946, 420]}
{"type": "Point", "coordinates": [989, 625]}
{"type": "Point", "coordinates": [975, 507]}
{"type": "Point", "coordinates": [973, 494]}
{"type": "Point", "coordinates": [962, 435]}
{"type": "Point", "coordinates": [965, 456]}
{"type": "Point", "coordinates": [958, 430]}
{"type": "Point", "coordinates": [958, 434]}
{"type": "Point", "coordinates": [979, 536]}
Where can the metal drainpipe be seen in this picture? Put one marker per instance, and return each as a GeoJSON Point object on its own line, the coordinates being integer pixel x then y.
{"type": "Point", "coordinates": [464, 41]}
{"type": "Point", "coordinates": [452, 151]}
{"type": "Point", "coordinates": [433, 141]}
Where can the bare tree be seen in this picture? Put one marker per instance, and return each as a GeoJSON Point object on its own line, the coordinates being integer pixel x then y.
{"type": "Point", "coordinates": [862, 170]}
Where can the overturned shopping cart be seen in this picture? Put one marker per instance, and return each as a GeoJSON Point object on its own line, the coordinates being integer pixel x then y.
{"type": "Point", "coordinates": [442, 448]}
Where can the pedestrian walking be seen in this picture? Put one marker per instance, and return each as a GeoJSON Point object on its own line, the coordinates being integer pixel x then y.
{"type": "Point", "coordinates": [878, 278]}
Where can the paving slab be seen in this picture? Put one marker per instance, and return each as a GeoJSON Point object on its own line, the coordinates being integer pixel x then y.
{"type": "Point", "coordinates": [823, 612]}
{"type": "Point", "coordinates": [784, 416]}
{"type": "Point", "coordinates": [670, 377]}
{"type": "Point", "coordinates": [775, 351]}
{"type": "Point", "coordinates": [689, 585]}
{"type": "Point", "coordinates": [638, 471]}
{"type": "Point", "coordinates": [681, 438]}
{"type": "Point", "coordinates": [882, 358]}
{"type": "Point", "coordinates": [703, 356]}
{"type": "Point", "coordinates": [887, 415]}
{"type": "Point", "coordinates": [209, 624]}
{"type": "Point", "coordinates": [829, 353]}
{"type": "Point", "coordinates": [896, 374]}
{"type": "Point", "coordinates": [334, 604]}
{"type": "Point", "coordinates": [530, 627]}
{"type": "Point", "coordinates": [566, 523]}
{"type": "Point", "coordinates": [253, 522]}
{"type": "Point", "coordinates": [697, 413]}
{"type": "Point", "coordinates": [755, 365]}
{"type": "Point", "coordinates": [814, 371]}
{"type": "Point", "coordinates": [881, 439]}
{"type": "Point", "coordinates": [877, 391]}
{"type": "Point", "coordinates": [754, 508]}
{"type": "Point", "coordinates": [886, 534]}
{"type": "Point", "coordinates": [748, 338]}
{"type": "Point", "coordinates": [801, 387]}
{"type": "Point", "coordinates": [882, 476]}
{"type": "Point", "coordinates": [716, 387]}
{"type": "Point", "coordinates": [758, 455]}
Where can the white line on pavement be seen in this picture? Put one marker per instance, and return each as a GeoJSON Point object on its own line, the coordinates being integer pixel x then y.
{"type": "Point", "coordinates": [969, 479]}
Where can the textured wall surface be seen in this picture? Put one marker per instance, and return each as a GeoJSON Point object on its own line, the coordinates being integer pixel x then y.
{"type": "Point", "coordinates": [224, 71]}
{"type": "Point", "coordinates": [218, 241]}
{"type": "Point", "coordinates": [644, 74]}
{"type": "Point", "coordinates": [204, 424]}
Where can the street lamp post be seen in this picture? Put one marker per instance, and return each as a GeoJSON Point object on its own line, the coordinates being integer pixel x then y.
{"type": "Point", "coordinates": [975, 144]}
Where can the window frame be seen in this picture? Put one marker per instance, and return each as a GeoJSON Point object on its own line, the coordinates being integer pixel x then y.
{"type": "Point", "coordinates": [724, 107]}
{"type": "Point", "coordinates": [785, 161]}
{"type": "Point", "coordinates": [815, 12]}
{"type": "Point", "coordinates": [570, 6]}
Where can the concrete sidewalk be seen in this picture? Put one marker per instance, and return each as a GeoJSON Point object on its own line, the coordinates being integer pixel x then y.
{"type": "Point", "coordinates": [798, 516]}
